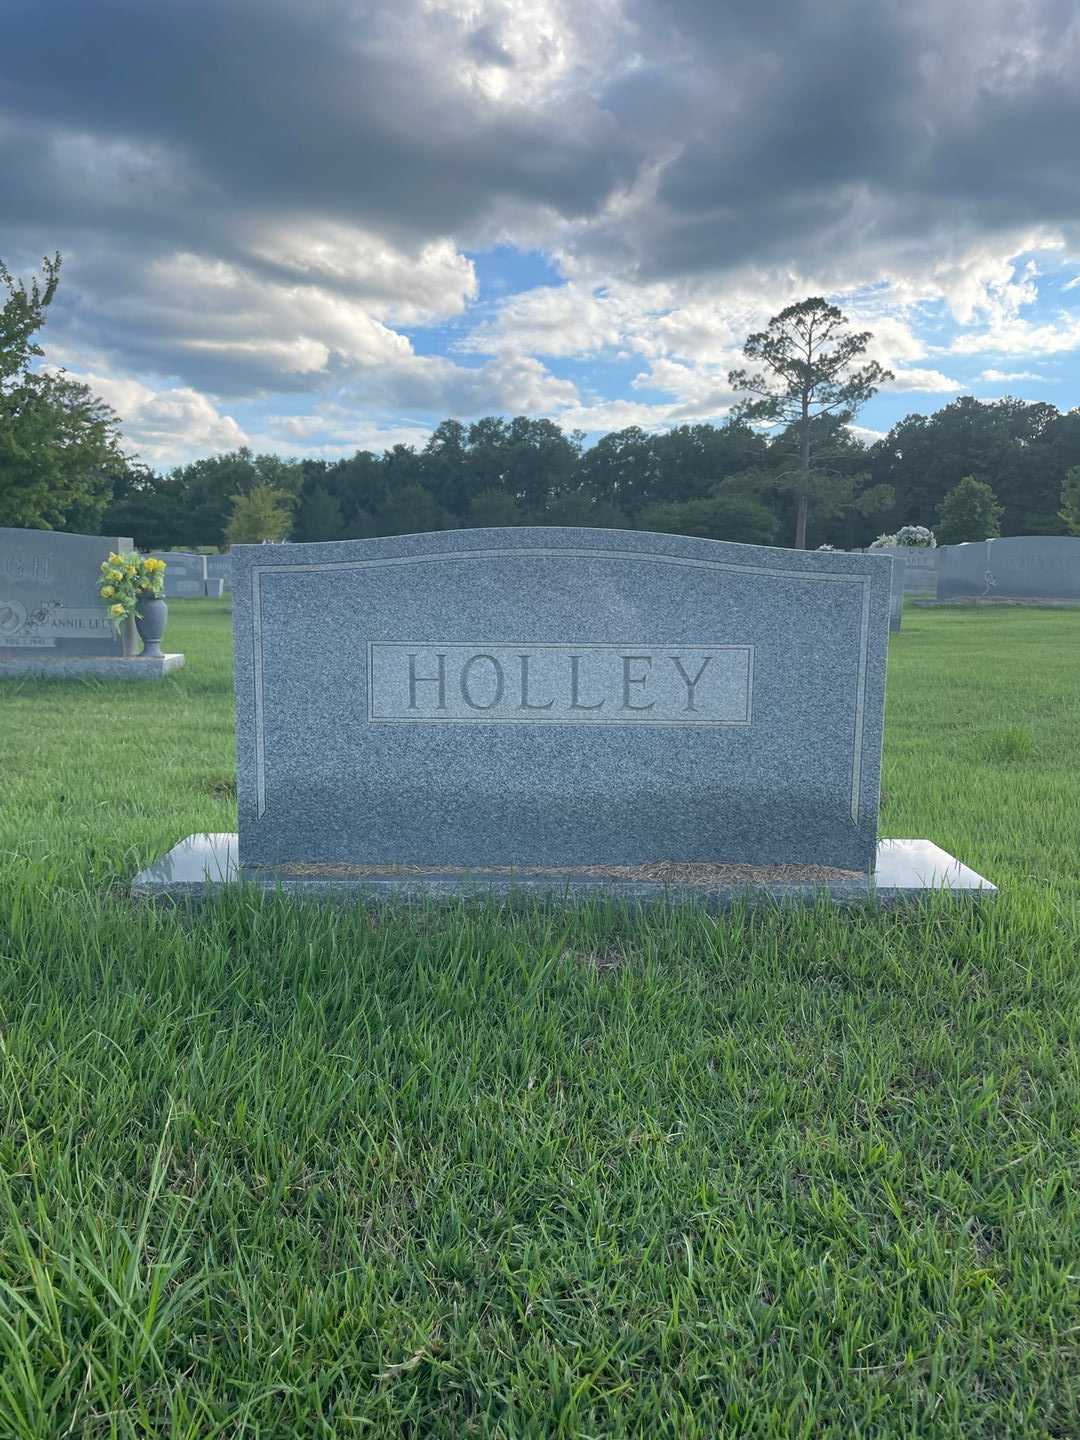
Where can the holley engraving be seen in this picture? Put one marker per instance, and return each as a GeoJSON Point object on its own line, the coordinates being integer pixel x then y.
{"type": "Point", "coordinates": [560, 683]}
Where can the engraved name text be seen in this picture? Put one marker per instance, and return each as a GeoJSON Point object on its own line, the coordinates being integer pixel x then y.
{"type": "Point", "coordinates": [561, 683]}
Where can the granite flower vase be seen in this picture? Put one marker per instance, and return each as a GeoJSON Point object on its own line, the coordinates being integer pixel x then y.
{"type": "Point", "coordinates": [128, 638]}
{"type": "Point", "coordinates": [152, 617]}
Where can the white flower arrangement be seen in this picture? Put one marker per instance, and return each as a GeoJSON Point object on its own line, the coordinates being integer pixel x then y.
{"type": "Point", "coordinates": [916, 536]}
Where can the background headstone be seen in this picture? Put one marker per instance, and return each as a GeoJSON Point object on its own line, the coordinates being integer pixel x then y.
{"type": "Point", "coordinates": [49, 602]}
{"type": "Point", "coordinates": [963, 571]}
{"type": "Point", "coordinates": [920, 566]}
{"type": "Point", "coordinates": [185, 573]}
{"type": "Point", "coordinates": [547, 696]}
{"type": "Point", "coordinates": [219, 567]}
{"type": "Point", "coordinates": [1028, 567]}
{"type": "Point", "coordinates": [896, 593]}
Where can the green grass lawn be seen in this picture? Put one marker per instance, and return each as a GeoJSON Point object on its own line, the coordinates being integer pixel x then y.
{"type": "Point", "coordinates": [269, 1170]}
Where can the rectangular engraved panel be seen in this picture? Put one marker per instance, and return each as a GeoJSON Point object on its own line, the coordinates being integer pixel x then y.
{"type": "Point", "coordinates": [529, 684]}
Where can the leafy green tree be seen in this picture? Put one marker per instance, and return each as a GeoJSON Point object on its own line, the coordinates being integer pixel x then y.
{"type": "Point", "coordinates": [58, 442]}
{"type": "Point", "coordinates": [494, 507]}
{"type": "Point", "coordinates": [1021, 449]}
{"type": "Point", "coordinates": [541, 462]}
{"type": "Point", "coordinates": [264, 513]}
{"type": "Point", "coordinates": [362, 526]}
{"type": "Point", "coordinates": [210, 487]}
{"type": "Point", "coordinates": [359, 485]}
{"type": "Point", "coordinates": [22, 316]}
{"type": "Point", "coordinates": [1070, 500]}
{"type": "Point", "coordinates": [577, 508]}
{"type": "Point", "coordinates": [843, 490]}
{"type": "Point", "coordinates": [446, 470]}
{"type": "Point", "coordinates": [621, 469]}
{"type": "Point", "coordinates": [318, 516]}
{"type": "Point", "coordinates": [806, 368]}
{"type": "Point", "coordinates": [690, 460]}
{"type": "Point", "coordinates": [411, 510]}
{"type": "Point", "coordinates": [631, 468]}
{"type": "Point", "coordinates": [968, 512]}
{"type": "Point", "coordinates": [151, 508]}
{"type": "Point", "coordinates": [716, 517]}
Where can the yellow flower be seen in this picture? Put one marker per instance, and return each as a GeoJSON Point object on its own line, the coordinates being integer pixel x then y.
{"type": "Point", "coordinates": [116, 574]}
{"type": "Point", "coordinates": [116, 610]}
{"type": "Point", "coordinates": [107, 591]}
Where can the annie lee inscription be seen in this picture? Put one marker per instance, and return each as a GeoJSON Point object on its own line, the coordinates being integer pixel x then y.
{"type": "Point", "coordinates": [561, 683]}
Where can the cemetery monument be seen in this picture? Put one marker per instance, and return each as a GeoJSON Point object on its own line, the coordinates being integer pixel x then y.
{"type": "Point", "coordinates": [185, 575]}
{"type": "Point", "coordinates": [1032, 568]}
{"type": "Point", "coordinates": [52, 620]}
{"type": "Point", "coordinates": [561, 712]}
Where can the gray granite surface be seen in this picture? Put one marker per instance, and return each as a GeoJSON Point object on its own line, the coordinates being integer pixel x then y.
{"type": "Point", "coordinates": [905, 870]}
{"type": "Point", "coordinates": [185, 573]}
{"type": "Point", "coordinates": [920, 566]}
{"type": "Point", "coordinates": [963, 570]}
{"type": "Point", "coordinates": [896, 594]}
{"type": "Point", "coordinates": [219, 567]}
{"type": "Point", "coordinates": [1018, 567]}
{"type": "Point", "coordinates": [90, 667]}
{"type": "Point", "coordinates": [547, 696]}
{"type": "Point", "coordinates": [49, 601]}
{"type": "Point", "coordinates": [1028, 567]}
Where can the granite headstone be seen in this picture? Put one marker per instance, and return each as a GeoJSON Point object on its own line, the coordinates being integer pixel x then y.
{"type": "Point", "coordinates": [185, 574]}
{"type": "Point", "coordinates": [896, 593]}
{"type": "Point", "coordinates": [219, 567]}
{"type": "Point", "coordinates": [920, 567]}
{"type": "Point", "coordinates": [963, 571]}
{"type": "Point", "coordinates": [553, 697]}
{"type": "Point", "coordinates": [1034, 567]}
{"type": "Point", "coordinates": [49, 602]}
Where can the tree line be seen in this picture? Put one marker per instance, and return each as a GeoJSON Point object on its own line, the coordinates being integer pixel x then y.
{"type": "Point", "coordinates": [786, 467]}
{"type": "Point", "coordinates": [718, 481]}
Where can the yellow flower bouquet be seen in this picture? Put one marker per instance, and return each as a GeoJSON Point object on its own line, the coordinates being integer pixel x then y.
{"type": "Point", "coordinates": [125, 579]}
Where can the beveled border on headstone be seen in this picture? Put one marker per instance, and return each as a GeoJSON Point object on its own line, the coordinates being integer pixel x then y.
{"type": "Point", "coordinates": [322, 781]}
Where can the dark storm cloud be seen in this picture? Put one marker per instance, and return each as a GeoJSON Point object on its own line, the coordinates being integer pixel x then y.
{"type": "Point", "coordinates": [843, 137]}
{"type": "Point", "coordinates": [822, 128]}
{"type": "Point", "coordinates": [308, 107]}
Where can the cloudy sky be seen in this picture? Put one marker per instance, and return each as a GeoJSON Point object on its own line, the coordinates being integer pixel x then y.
{"type": "Point", "coordinates": [317, 225]}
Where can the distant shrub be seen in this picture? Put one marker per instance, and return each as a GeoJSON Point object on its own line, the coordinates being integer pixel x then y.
{"type": "Point", "coordinates": [883, 542]}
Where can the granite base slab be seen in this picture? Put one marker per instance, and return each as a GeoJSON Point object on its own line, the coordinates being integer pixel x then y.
{"type": "Point", "coordinates": [906, 870]}
{"type": "Point", "coordinates": [91, 667]}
